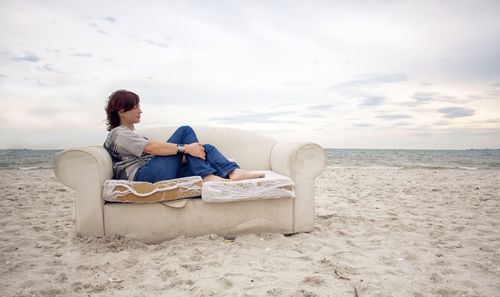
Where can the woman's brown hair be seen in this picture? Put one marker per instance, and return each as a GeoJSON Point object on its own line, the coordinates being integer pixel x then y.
{"type": "Point", "coordinates": [121, 99]}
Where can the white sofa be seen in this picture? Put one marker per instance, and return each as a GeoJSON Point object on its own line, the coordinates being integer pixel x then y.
{"type": "Point", "coordinates": [85, 170]}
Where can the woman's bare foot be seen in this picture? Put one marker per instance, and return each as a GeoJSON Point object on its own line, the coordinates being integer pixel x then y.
{"type": "Point", "coordinates": [241, 174]}
{"type": "Point", "coordinates": [214, 178]}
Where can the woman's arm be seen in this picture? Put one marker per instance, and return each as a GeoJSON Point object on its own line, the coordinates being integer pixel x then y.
{"type": "Point", "coordinates": [161, 148]}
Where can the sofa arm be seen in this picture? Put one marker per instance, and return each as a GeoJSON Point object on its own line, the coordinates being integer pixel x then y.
{"type": "Point", "coordinates": [302, 162]}
{"type": "Point", "coordinates": [303, 158]}
{"type": "Point", "coordinates": [85, 170]}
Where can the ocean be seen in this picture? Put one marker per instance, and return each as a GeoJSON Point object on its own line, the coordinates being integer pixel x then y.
{"type": "Point", "coordinates": [408, 159]}
{"type": "Point", "coordinates": [26, 159]}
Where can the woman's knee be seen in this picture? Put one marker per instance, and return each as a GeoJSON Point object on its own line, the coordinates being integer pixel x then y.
{"type": "Point", "coordinates": [183, 134]}
{"type": "Point", "coordinates": [185, 128]}
{"type": "Point", "coordinates": [208, 147]}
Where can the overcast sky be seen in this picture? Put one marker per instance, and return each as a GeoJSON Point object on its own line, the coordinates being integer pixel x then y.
{"type": "Point", "coordinates": [344, 74]}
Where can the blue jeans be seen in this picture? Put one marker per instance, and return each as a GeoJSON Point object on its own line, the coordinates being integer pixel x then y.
{"type": "Point", "coordinates": [170, 167]}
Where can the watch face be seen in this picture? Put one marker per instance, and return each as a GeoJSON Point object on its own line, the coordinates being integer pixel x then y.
{"type": "Point", "coordinates": [180, 149]}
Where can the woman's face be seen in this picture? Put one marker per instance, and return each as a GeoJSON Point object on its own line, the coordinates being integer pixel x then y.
{"type": "Point", "coordinates": [132, 116]}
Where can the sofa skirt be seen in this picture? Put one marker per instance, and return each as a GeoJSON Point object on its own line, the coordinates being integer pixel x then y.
{"type": "Point", "coordinates": [157, 222]}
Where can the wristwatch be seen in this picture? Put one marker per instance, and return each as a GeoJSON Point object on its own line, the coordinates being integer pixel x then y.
{"type": "Point", "coordinates": [180, 149]}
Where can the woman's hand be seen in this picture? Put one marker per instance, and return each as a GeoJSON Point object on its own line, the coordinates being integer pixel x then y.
{"type": "Point", "coordinates": [195, 149]}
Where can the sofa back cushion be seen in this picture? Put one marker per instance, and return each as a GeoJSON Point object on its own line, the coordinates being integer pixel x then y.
{"type": "Point", "coordinates": [249, 149]}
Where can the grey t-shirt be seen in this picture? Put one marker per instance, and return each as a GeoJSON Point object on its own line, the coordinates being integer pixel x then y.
{"type": "Point", "coordinates": [127, 152]}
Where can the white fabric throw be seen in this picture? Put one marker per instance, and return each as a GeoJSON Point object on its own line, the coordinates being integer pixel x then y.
{"type": "Point", "coordinates": [272, 186]}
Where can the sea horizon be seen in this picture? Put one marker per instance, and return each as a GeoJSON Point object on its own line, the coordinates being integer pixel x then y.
{"type": "Point", "coordinates": [468, 159]}
{"type": "Point", "coordinates": [326, 148]}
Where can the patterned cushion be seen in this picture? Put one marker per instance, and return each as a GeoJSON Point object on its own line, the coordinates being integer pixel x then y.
{"type": "Point", "coordinates": [139, 192]}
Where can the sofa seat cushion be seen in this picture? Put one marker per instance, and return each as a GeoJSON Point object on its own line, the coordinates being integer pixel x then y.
{"type": "Point", "coordinates": [273, 185]}
{"type": "Point", "coordinates": [140, 192]}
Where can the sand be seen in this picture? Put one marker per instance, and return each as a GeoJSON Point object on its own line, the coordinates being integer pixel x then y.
{"type": "Point", "coordinates": [378, 233]}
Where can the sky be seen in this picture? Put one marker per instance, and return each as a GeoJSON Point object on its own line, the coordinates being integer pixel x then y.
{"type": "Point", "coordinates": [343, 74]}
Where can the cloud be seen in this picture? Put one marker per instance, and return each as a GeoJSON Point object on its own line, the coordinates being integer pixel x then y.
{"type": "Point", "coordinates": [391, 117]}
{"type": "Point", "coordinates": [311, 115]}
{"type": "Point", "coordinates": [47, 67]}
{"type": "Point", "coordinates": [27, 58]}
{"type": "Point", "coordinates": [40, 83]}
{"type": "Point", "coordinates": [284, 65]}
{"type": "Point", "coordinates": [321, 107]}
{"type": "Point", "coordinates": [400, 124]}
{"type": "Point", "coordinates": [422, 134]}
{"type": "Point", "coordinates": [157, 43]}
{"type": "Point", "coordinates": [492, 121]}
{"type": "Point", "coordinates": [296, 83]}
{"type": "Point", "coordinates": [98, 29]}
{"type": "Point", "coordinates": [374, 79]}
{"type": "Point", "coordinates": [53, 51]}
{"type": "Point", "coordinates": [441, 123]}
{"type": "Point", "coordinates": [3, 75]}
{"type": "Point", "coordinates": [420, 98]}
{"type": "Point", "coordinates": [452, 99]}
{"type": "Point", "coordinates": [456, 112]}
{"type": "Point", "coordinates": [253, 118]}
{"type": "Point", "coordinates": [374, 101]}
{"type": "Point", "coordinates": [44, 112]}
{"type": "Point", "coordinates": [423, 97]}
{"type": "Point", "coordinates": [492, 93]}
{"type": "Point", "coordinates": [82, 55]}
{"type": "Point", "coordinates": [425, 84]}
{"type": "Point", "coordinates": [110, 19]}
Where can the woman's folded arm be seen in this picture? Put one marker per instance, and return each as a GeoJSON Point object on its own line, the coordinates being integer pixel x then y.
{"type": "Point", "coordinates": [161, 148]}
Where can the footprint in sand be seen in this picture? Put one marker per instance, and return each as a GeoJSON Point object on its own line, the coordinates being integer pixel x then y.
{"type": "Point", "coordinates": [314, 280]}
{"type": "Point", "coordinates": [167, 274]}
{"type": "Point", "coordinates": [226, 283]}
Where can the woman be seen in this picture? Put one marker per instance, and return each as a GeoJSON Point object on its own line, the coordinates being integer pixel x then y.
{"type": "Point", "coordinates": [137, 158]}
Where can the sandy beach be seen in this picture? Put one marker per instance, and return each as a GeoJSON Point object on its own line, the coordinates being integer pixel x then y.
{"type": "Point", "coordinates": [378, 232]}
